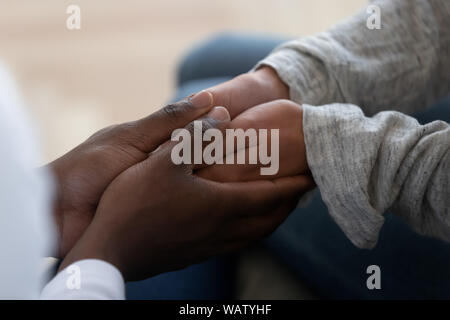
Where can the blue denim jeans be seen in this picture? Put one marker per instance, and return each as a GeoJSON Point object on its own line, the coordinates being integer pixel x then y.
{"type": "Point", "coordinates": [308, 242]}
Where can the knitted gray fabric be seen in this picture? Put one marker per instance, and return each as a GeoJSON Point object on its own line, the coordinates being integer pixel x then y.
{"type": "Point", "coordinates": [365, 166]}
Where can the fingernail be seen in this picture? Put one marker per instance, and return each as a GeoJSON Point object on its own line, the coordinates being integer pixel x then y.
{"type": "Point", "coordinates": [203, 99]}
{"type": "Point", "coordinates": [219, 113]}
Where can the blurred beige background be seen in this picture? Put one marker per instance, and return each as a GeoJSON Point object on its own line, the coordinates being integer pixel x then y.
{"type": "Point", "coordinates": [120, 65]}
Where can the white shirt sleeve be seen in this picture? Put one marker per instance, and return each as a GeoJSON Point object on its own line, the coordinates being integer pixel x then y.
{"type": "Point", "coordinates": [27, 232]}
{"type": "Point", "coordinates": [86, 280]}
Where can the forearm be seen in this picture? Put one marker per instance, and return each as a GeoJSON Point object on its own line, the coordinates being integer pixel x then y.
{"type": "Point", "coordinates": [365, 166]}
{"type": "Point", "coordinates": [404, 66]}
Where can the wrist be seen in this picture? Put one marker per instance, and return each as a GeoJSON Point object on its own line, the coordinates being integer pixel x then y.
{"type": "Point", "coordinates": [271, 82]}
{"type": "Point", "coordinates": [91, 246]}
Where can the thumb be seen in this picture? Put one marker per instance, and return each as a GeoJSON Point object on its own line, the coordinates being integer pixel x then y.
{"type": "Point", "coordinates": [157, 127]}
{"type": "Point", "coordinates": [186, 146]}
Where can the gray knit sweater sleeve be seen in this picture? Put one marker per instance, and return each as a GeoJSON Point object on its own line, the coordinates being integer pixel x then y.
{"type": "Point", "coordinates": [365, 166]}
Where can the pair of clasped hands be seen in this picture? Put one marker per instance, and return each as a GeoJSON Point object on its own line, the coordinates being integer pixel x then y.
{"type": "Point", "coordinates": [122, 200]}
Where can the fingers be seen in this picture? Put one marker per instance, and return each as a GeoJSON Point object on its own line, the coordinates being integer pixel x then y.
{"type": "Point", "coordinates": [257, 227]}
{"type": "Point", "coordinates": [237, 172]}
{"type": "Point", "coordinates": [248, 228]}
{"type": "Point", "coordinates": [282, 115]}
{"type": "Point", "coordinates": [253, 224]}
{"type": "Point", "coordinates": [158, 127]}
{"type": "Point", "coordinates": [218, 118]}
{"type": "Point", "coordinates": [186, 146]}
{"type": "Point", "coordinates": [260, 197]}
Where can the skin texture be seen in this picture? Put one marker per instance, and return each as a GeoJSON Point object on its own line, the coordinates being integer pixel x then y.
{"type": "Point", "coordinates": [144, 228]}
{"type": "Point", "coordinates": [284, 115]}
{"type": "Point", "coordinates": [249, 90]}
{"type": "Point", "coordinates": [260, 100]}
{"type": "Point", "coordinates": [117, 202]}
{"type": "Point", "coordinates": [84, 173]}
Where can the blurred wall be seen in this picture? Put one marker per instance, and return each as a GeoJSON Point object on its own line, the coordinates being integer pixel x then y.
{"type": "Point", "coordinates": [120, 65]}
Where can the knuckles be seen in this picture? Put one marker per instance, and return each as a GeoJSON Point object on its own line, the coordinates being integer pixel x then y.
{"type": "Point", "coordinates": [207, 123]}
{"type": "Point", "coordinates": [287, 104]}
{"type": "Point", "coordinates": [175, 110]}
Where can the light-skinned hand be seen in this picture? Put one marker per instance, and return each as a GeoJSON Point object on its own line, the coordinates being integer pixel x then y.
{"type": "Point", "coordinates": [284, 115]}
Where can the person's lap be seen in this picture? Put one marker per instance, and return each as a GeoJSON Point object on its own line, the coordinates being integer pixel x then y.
{"type": "Point", "coordinates": [309, 241]}
{"type": "Point", "coordinates": [210, 280]}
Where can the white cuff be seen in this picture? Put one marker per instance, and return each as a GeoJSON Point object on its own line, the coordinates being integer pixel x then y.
{"type": "Point", "coordinates": [89, 279]}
